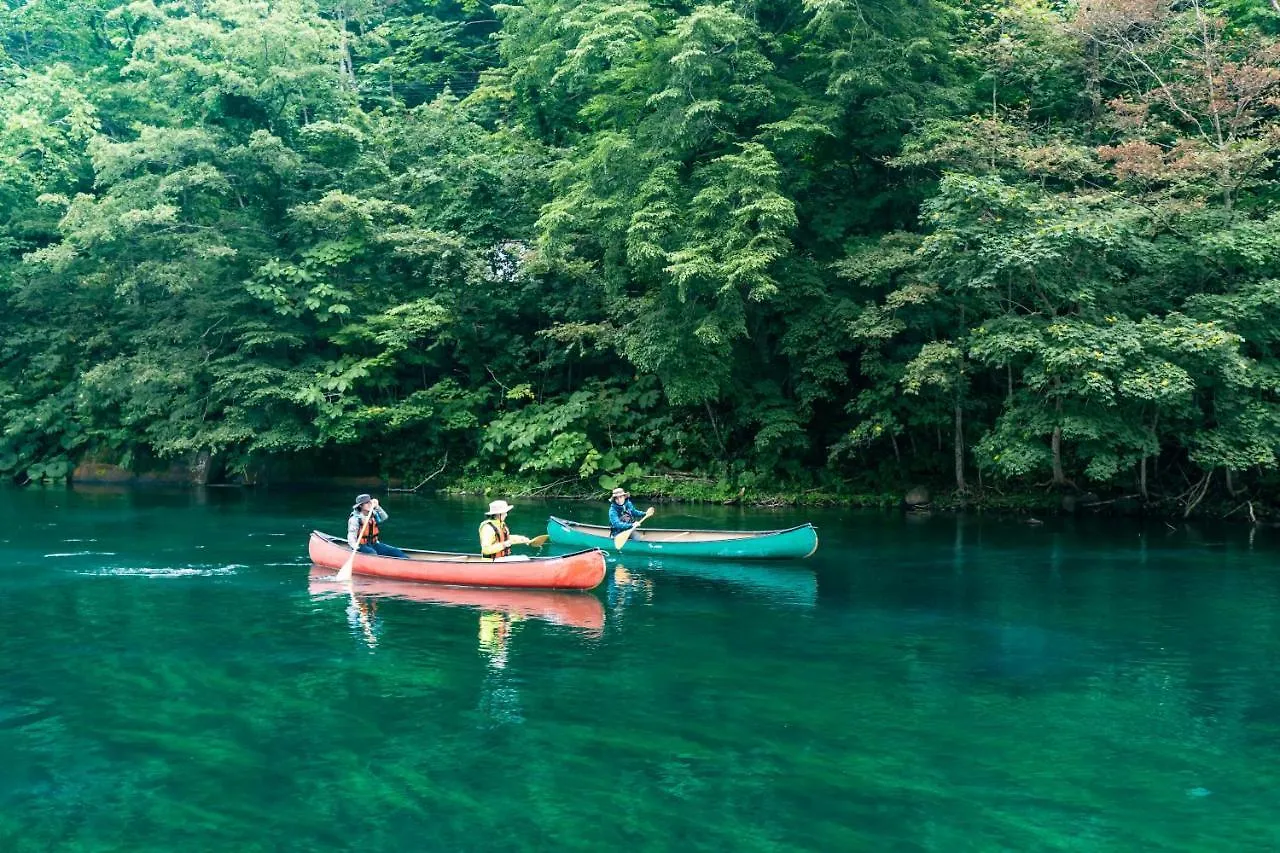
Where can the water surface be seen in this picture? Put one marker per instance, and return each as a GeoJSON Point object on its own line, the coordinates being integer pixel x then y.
{"type": "Point", "coordinates": [174, 678]}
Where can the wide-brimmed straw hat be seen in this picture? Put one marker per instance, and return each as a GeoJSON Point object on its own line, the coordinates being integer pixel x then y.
{"type": "Point", "coordinates": [499, 507]}
{"type": "Point", "coordinates": [621, 493]}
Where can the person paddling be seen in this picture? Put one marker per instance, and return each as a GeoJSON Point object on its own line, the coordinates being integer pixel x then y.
{"type": "Point", "coordinates": [622, 512]}
{"type": "Point", "coordinates": [495, 539]}
{"type": "Point", "coordinates": [367, 507]}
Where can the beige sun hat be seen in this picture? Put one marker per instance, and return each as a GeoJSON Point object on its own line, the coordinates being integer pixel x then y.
{"type": "Point", "coordinates": [621, 493]}
{"type": "Point", "coordinates": [499, 507]}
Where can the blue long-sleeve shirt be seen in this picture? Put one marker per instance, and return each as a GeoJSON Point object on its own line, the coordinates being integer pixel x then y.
{"type": "Point", "coordinates": [622, 517]}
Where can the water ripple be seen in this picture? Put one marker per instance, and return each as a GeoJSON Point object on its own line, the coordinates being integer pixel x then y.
{"type": "Point", "coordinates": [173, 572]}
{"type": "Point", "coordinates": [82, 554]}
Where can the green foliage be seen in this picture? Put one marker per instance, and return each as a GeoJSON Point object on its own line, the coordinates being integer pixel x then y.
{"type": "Point", "coordinates": [714, 247]}
{"type": "Point", "coordinates": [602, 429]}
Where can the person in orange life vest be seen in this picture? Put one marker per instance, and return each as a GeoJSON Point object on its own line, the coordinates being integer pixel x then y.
{"type": "Point", "coordinates": [495, 539]}
{"type": "Point", "coordinates": [367, 507]}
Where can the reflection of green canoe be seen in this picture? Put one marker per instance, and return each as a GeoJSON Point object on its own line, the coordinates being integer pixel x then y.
{"type": "Point", "coordinates": [790, 544]}
{"type": "Point", "coordinates": [780, 584]}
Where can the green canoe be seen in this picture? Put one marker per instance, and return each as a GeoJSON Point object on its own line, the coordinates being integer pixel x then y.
{"type": "Point", "coordinates": [795, 543]}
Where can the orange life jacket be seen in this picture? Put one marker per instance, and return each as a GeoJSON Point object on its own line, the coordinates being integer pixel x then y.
{"type": "Point", "coordinates": [371, 532]}
{"type": "Point", "coordinates": [503, 534]}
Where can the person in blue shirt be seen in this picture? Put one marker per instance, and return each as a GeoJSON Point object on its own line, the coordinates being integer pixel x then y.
{"type": "Point", "coordinates": [623, 514]}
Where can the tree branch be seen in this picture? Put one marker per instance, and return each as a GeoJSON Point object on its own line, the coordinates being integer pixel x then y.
{"type": "Point", "coordinates": [428, 479]}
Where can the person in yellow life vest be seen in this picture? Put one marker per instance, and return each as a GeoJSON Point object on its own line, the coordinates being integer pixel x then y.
{"type": "Point", "coordinates": [367, 508]}
{"type": "Point", "coordinates": [495, 539]}
{"type": "Point", "coordinates": [495, 633]}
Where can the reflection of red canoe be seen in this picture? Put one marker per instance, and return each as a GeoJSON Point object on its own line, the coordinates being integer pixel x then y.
{"type": "Point", "coordinates": [583, 570]}
{"type": "Point", "coordinates": [572, 609]}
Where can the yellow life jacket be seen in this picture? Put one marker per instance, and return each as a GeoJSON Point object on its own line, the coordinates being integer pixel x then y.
{"type": "Point", "coordinates": [503, 534]}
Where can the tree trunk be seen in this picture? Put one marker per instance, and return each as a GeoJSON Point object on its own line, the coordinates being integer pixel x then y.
{"type": "Point", "coordinates": [1142, 478]}
{"type": "Point", "coordinates": [959, 448]}
{"type": "Point", "coordinates": [1092, 83]}
{"type": "Point", "coordinates": [1059, 478]}
{"type": "Point", "coordinates": [346, 71]}
{"type": "Point", "coordinates": [715, 428]}
{"type": "Point", "coordinates": [1155, 457]}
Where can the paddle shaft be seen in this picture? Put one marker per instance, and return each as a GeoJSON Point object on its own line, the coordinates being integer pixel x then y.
{"type": "Point", "coordinates": [344, 573]}
{"type": "Point", "coordinates": [535, 542]}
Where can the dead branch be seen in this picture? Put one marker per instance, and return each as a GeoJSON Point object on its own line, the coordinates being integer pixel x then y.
{"type": "Point", "coordinates": [1092, 504]}
{"type": "Point", "coordinates": [428, 479]}
{"type": "Point", "coordinates": [675, 475]}
{"type": "Point", "coordinates": [552, 485]}
{"type": "Point", "coordinates": [1197, 494]}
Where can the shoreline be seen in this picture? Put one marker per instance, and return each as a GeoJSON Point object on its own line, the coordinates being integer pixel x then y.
{"type": "Point", "coordinates": [693, 490]}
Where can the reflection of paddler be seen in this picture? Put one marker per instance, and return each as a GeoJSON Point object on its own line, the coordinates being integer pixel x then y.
{"type": "Point", "coordinates": [361, 614]}
{"type": "Point", "coordinates": [625, 585]}
{"type": "Point", "coordinates": [495, 632]}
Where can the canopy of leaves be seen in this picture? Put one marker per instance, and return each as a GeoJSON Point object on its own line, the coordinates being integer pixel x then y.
{"type": "Point", "coordinates": [807, 242]}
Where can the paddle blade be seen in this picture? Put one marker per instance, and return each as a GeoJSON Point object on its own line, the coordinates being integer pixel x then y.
{"type": "Point", "coordinates": [539, 541]}
{"type": "Point", "coordinates": [344, 573]}
{"type": "Point", "coordinates": [621, 538]}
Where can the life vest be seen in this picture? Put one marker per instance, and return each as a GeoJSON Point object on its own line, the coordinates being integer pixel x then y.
{"type": "Point", "coordinates": [624, 513]}
{"type": "Point", "coordinates": [503, 534]}
{"type": "Point", "coordinates": [371, 532]}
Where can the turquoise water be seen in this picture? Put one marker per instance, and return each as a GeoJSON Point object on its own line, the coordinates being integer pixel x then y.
{"type": "Point", "coordinates": [173, 679]}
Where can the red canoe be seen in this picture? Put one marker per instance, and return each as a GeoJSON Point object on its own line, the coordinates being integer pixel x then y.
{"type": "Point", "coordinates": [570, 609]}
{"type": "Point", "coordinates": [583, 570]}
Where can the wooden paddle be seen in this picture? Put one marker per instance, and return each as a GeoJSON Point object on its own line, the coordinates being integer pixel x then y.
{"type": "Point", "coordinates": [344, 573]}
{"type": "Point", "coordinates": [621, 538]}
{"type": "Point", "coordinates": [535, 542]}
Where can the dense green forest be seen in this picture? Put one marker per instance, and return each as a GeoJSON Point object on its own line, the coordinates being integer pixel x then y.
{"type": "Point", "coordinates": [816, 246]}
